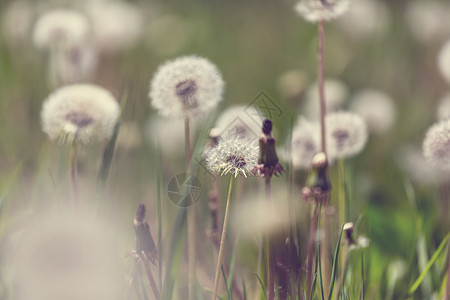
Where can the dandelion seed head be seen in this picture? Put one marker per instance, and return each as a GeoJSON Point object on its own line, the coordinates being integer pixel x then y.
{"type": "Point", "coordinates": [365, 19]}
{"type": "Point", "coordinates": [443, 111]}
{"type": "Point", "coordinates": [82, 112]}
{"type": "Point", "coordinates": [436, 145]}
{"type": "Point", "coordinates": [239, 120]}
{"type": "Point", "coordinates": [428, 21]}
{"type": "Point", "coordinates": [444, 60]}
{"type": "Point", "coordinates": [117, 25]}
{"type": "Point", "coordinates": [235, 155]}
{"type": "Point", "coordinates": [305, 143]}
{"type": "Point", "coordinates": [376, 108]}
{"type": "Point", "coordinates": [336, 92]}
{"type": "Point", "coordinates": [188, 86]}
{"type": "Point", "coordinates": [61, 28]}
{"type": "Point", "coordinates": [315, 10]}
{"type": "Point", "coordinates": [346, 134]}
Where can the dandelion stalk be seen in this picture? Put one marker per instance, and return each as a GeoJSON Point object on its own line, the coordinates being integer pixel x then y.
{"type": "Point", "coordinates": [190, 217]}
{"type": "Point", "coordinates": [341, 191]}
{"type": "Point", "coordinates": [271, 273]}
{"type": "Point", "coordinates": [222, 239]}
{"type": "Point", "coordinates": [74, 173]}
{"type": "Point", "coordinates": [311, 250]}
{"type": "Point", "coordinates": [321, 81]}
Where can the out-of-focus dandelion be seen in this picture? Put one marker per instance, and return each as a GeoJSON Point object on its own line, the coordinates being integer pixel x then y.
{"type": "Point", "coordinates": [110, 34]}
{"type": "Point", "coordinates": [81, 112]}
{"type": "Point", "coordinates": [443, 110]}
{"type": "Point", "coordinates": [315, 10]}
{"type": "Point", "coordinates": [365, 19]}
{"type": "Point", "coordinates": [292, 84]}
{"type": "Point", "coordinates": [428, 21]}
{"type": "Point", "coordinates": [305, 143]}
{"type": "Point", "coordinates": [236, 156]}
{"type": "Point", "coordinates": [17, 20]}
{"type": "Point", "coordinates": [376, 108]}
{"type": "Point", "coordinates": [61, 28]}
{"type": "Point", "coordinates": [239, 121]}
{"type": "Point", "coordinates": [336, 93]}
{"type": "Point", "coordinates": [67, 256]}
{"type": "Point", "coordinates": [444, 61]}
{"type": "Point", "coordinates": [346, 134]}
{"type": "Point", "coordinates": [436, 145]}
{"type": "Point", "coordinates": [188, 86]}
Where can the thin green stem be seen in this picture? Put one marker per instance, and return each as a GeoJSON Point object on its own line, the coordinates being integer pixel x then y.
{"type": "Point", "coordinates": [74, 173]}
{"type": "Point", "coordinates": [311, 250]}
{"type": "Point", "coordinates": [271, 254]}
{"type": "Point", "coordinates": [341, 191]}
{"type": "Point", "coordinates": [222, 239]}
{"type": "Point", "coordinates": [321, 81]}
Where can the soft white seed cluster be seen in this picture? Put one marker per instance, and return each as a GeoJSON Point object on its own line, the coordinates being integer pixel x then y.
{"type": "Point", "coordinates": [236, 155]}
{"type": "Point", "coordinates": [327, 10]}
{"type": "Point", "coordinates": [436, 145]}
{"type": "Point", "coordinates": [305, 143]}
{"type": "Point", "coordinates": [239, 120]}
{"type": "Point", "coordinates": [346, 134]}
{"type": "Point", "coordinates": [61, 28]}
{"type": "Point", "coordinates": [376, 108]}
{"type": "Point", "coordinates": [336, 92]}
{"type": "Point", "coordinates": [81, 112]}
{"type": "Point", "coordinates": [188, 86]}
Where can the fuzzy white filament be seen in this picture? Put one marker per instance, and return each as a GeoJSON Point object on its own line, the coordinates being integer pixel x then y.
{"type": "Point", "coordinates": [80, 112]}
{"type": "Point", "coordinates": [315, 10]}
{"type": "Point", "coordinates": [186, 87]}
{"type": "Point", "coordinates": [436, 145]}
{"type": "Point", "coordinates": [305, 143]}
{"type": "Point", "coordinates": [346, 134]}
{"type": "Point", "coordinates": [235, 155]}
{"type": "Point", "coordinates": [61, 28]}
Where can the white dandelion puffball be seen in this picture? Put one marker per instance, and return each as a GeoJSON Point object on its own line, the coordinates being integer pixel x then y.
{"type": "Point", "coordinates": [366, 18]}
{"type": "Point", "coordinates": [291, 84]}
{"type": "Point", "coordinates": [428, 20]}
{"type": "Point", "coordinates": [443, 110]}
{"type": "Point", "coordinates": [61, 28]}
{"type": "Point", "coordinates": [17, 19]}
{"type": "Point", "coordinates": [188, 86]}
{"type": "Point", "coordinates": [315, 10]}
{"type": "Point", "coordinates": [444, 61]}
{"type": "Point", "coordinates": [376, 108]}
{"type": "Point", "coordinates": [305, 143]}
{"type": "Point", "coordinates": [346, 134]}
{"type": "Point", "coordinates": [67, 258]}
{"type": "Point", "coordinates": [234, 155]}
{"type": "Point", "coordinates": [81, 112]}
{"type": "Point", "coordinates": [239, 120]}
{"type": "Point", "coordinates": [436, 145]}
{"type": "Point", "coordinates": [116, 25]}
{"type": "Point", "coordinates": [336, 92]}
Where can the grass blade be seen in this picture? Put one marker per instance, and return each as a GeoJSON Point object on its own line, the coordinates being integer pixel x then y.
{"type": "Point", "coordinates": [320, 270]}
{"type": "Point", "coordinates": [362, 274]}
{"type": "Point", "coordinates": [262, 286]}
{"type": "Point", "coordinates": [335, 260]}
{"type": "Point", "coordinates": [436, 254]}
{"type": "Point", "coordinates": [107, 157]}
{"type": "Point", "coordinates": [226, 283]}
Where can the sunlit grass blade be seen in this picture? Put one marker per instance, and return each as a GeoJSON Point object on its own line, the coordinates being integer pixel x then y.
{"type": "Point", "coordinates": [430, 263]}
{"type": "Point", "coordinates": [335, 261]}
{"type": "Point", "coordinates": [244, 289]}
{"type": "Point", "coordinates": [320, 271]}
{"type": "Point", "coordinates": [226, 283]}
{"type": "Point", "coordinates": [107, 157]}
{"type": "Point", "coordinates": [362, 275]}
{"type": "Point", "coordinates": [262, 285]}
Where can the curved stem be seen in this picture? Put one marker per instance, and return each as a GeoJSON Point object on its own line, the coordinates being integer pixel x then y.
{"type": "Point", "coordinates": [222, 239]}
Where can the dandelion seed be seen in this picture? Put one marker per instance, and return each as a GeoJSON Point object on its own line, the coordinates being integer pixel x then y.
{"type": "Point", "coordinates": [436, 146]}
{"type": "Point", "coordinates": [305, 143]}
{"type": "Point", "coordinates": [346, 134]}
{"type": "Point", "coordinates": [316, 10]}
{"type": "Point", "coordinates": [444, 61]}
{"type": "Point", "coordinates": [61, 29]}
{"type": "Point", "coordinates": [110, 34]}
{"type": "Point", "coordinates": [82, 112]}
{"type": "Point", "coordinates": [443, 111]}
{"type": "Point", "coordinates": [239, 120]}
{"type": "Point", "coordinates": [376, 108]}
{"type": "Point", "coordinates": [186, 87]}
{"type": "Point", "coordinates": [336, 93]}
{"type": "Point", "coordinates": [234, 155]}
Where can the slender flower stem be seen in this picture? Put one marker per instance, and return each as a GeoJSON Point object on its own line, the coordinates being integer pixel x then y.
{"type": "Point", "coordinates": [341, 191]}
{"type": "Point", "coordinates": [343, 271]}
{"type": "Point", "coordinates": [311, 249]}
{"type": "Point", "coordinates": [150, 278]}
{"type": "Point", "coordinates": [222, 239]}
{"type": "Point", "coordinates": [190, 217]}
{"type": "Point", "coordinates": [321, 81]}
{"type": "Point", "coordinates": [74, 173]}
{"type": "Point", "coordinates": [271, 272]}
